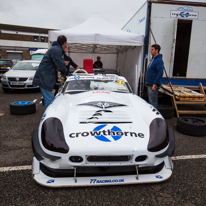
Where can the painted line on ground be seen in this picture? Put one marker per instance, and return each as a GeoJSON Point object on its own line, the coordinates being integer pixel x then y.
{"type": "Point", "coordinates": [188, 157]}
{"type": "Point", "coordinates": [16, 168]}
{"type": "Point", "coordinates": [29, 167]}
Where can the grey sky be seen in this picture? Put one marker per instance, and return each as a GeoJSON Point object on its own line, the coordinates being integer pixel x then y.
{"type": "Point", "coordinates": [64, 14]}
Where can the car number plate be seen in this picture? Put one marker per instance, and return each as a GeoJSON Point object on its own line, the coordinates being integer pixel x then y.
{"type": "Point", "coordinates": [17, 83]}
{"type": "Point", "coordinates": [4, 67]}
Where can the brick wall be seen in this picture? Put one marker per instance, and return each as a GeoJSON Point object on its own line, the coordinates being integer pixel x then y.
{"type": "Point", "coordinates": [25, 53]}
{"type": "Point", "coordinates": [18, 37]}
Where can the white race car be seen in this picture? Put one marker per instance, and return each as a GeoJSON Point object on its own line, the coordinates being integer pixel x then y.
{"type": "Point", "coordinates": [97, 132]}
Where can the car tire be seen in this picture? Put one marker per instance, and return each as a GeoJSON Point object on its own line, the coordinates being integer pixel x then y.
{"type": "Point", "coordinates": [191, 126]}
{"type": "Point", "coordinates": [5, 90]}
{"type": "Point", "coordinates": [166, 111]}
{"type": "Point", "coordinates": [23, 107]}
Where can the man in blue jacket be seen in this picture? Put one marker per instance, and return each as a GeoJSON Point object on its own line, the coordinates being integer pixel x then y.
{"type": "Point", "coordinates": [154, 74]}
{"type": "Point", "coordinates": [52, 61]}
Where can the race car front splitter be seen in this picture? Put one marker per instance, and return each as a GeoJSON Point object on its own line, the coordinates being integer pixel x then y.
{"type": "Point", "coordinates": [75, 181]}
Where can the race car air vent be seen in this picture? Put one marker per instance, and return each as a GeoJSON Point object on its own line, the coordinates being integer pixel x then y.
{"type": "Point", "coordinates": [141, 158]}
{"type": "Point", "coordinates": [104, 117]}
{"type": "Point", "coordinates": [122, 158]}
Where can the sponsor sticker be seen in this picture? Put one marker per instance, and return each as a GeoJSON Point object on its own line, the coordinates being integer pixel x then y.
{"type": "Point", "coordinates": [159, 177]}
{"type": "Point", "coordinates": [43, 117]}
{"type": "Point", "coordinates": [96, 181]}
{"type": "Point", "coordinates": [101, 92]}
{"type": "Point", "coordinates": [50, 181]}
{"type": "Point", "coordinates": [76, 77]}
{"type": "Point", "coordinates": [106, 133]}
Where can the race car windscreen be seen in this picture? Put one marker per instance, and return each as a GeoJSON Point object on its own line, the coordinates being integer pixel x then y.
{"type": "Point", "coordinates": [91, 85]}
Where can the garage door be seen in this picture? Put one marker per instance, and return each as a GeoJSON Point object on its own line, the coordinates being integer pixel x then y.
{"type": "Point", "coordinates": [14, 55]}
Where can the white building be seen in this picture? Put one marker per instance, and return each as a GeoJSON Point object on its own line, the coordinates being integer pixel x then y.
{"type": "Point", "coordinates": [179, 27]}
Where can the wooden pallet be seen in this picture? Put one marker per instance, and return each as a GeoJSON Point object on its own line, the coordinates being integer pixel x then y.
{"type": "Point", "coordinates": [185, 96]}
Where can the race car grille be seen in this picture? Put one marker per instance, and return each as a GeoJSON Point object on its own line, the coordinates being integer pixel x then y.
{"type": "Point", "coordinates": [100, 171]}
{"type": "Point", "coordinates": [17, 86]}
{"type": "Point", "coordinates": [109, 158]}
{"type": "Point", "coordinates": [17, 79]}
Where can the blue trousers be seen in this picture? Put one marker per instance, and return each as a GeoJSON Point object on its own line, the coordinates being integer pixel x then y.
{"type": "Point", "coordinates": [48, 97]}
{"type": "Point", "coordinates": [153, 96]}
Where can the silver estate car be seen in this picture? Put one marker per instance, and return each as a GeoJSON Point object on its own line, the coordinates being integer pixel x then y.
{"type": "Point", "coordinates": [20, 76]}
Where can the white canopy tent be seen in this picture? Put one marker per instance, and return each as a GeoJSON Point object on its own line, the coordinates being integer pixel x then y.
{"type": "Point", "coordinates": [96, 36]}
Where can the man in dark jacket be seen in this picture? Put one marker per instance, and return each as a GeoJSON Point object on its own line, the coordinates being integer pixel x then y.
{"type": "Point", "coordinates": [154, 74]}
{"type": "Point", "coordinates": [45, 76]}
{"type": "Point", "coordinates": [67, 58]}
{"type": "Point", "coordinates": [98, 63]}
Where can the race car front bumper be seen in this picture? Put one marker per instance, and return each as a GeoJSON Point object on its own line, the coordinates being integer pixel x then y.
{"type": "Point", "coordinates": [88, 176]}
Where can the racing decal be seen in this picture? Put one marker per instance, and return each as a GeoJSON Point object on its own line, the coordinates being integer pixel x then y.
{"type": "Point", "coordinates": [115, 132]}
{"type": "Point", "coordinates": [120, 82]}
{"type": "Point", "coordinates": [100, 92]}
{"type": "Point", "coordinates": [50, 181]}
{"type": "Point", "coordinates": [106, 133]}
{"type": "Point", "coordinates": [96, 181]}
{"type": "Point", "coordinates": [102, 105]}
{"type": "Point", "coordinates": [43, 117]}
{"type": "Point", "coordinates": [159, 177]}
{"type": "Point", "coordinates": [76, 77]}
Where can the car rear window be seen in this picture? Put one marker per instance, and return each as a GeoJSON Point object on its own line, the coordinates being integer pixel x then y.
{"type": "Point", "coordinates": [26, 66]}
{"type": "Point", "coordinates": [6, 62]}
{"type": "Point", "coordinates": [37, 56]}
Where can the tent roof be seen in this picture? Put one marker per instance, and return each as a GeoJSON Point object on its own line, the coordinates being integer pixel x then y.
{"type": "Point", "coordinates": [96, 35]}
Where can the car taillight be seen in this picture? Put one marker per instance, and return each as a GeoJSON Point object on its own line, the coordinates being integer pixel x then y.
{"type": "Point", "coordinates": [159, 138]}
{"type": "Point", "coordinates": [12, 62]}
{"type": "Point", "coordinates": [52, 136]}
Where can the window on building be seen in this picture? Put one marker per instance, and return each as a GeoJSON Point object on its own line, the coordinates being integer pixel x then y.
{"type": "Point", "coordinates": [36, 38]}
{"type": "Point", "coordinates": [43, 39]}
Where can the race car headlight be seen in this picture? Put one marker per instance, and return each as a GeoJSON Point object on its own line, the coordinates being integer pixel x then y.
{"type": "Point", "coordinates": [159, 137]}
{"type": "Point", "coordinates": [31, 78]}
{"type": "Point", "coordinates": [52, 136]}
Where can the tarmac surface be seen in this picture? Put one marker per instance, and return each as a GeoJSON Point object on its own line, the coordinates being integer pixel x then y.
{"type": "Point", "coordinates": [187, 185]}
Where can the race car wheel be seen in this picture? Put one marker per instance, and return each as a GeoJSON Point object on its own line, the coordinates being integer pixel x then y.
{"type": "Point", "coordinates": [166, 111]}
{"type": "Point", "coordinates": [80, 70]}
{"type": "Point", "coordinates": [191, 126]}
{"type": "Point", "coordinates": [24, 107]}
